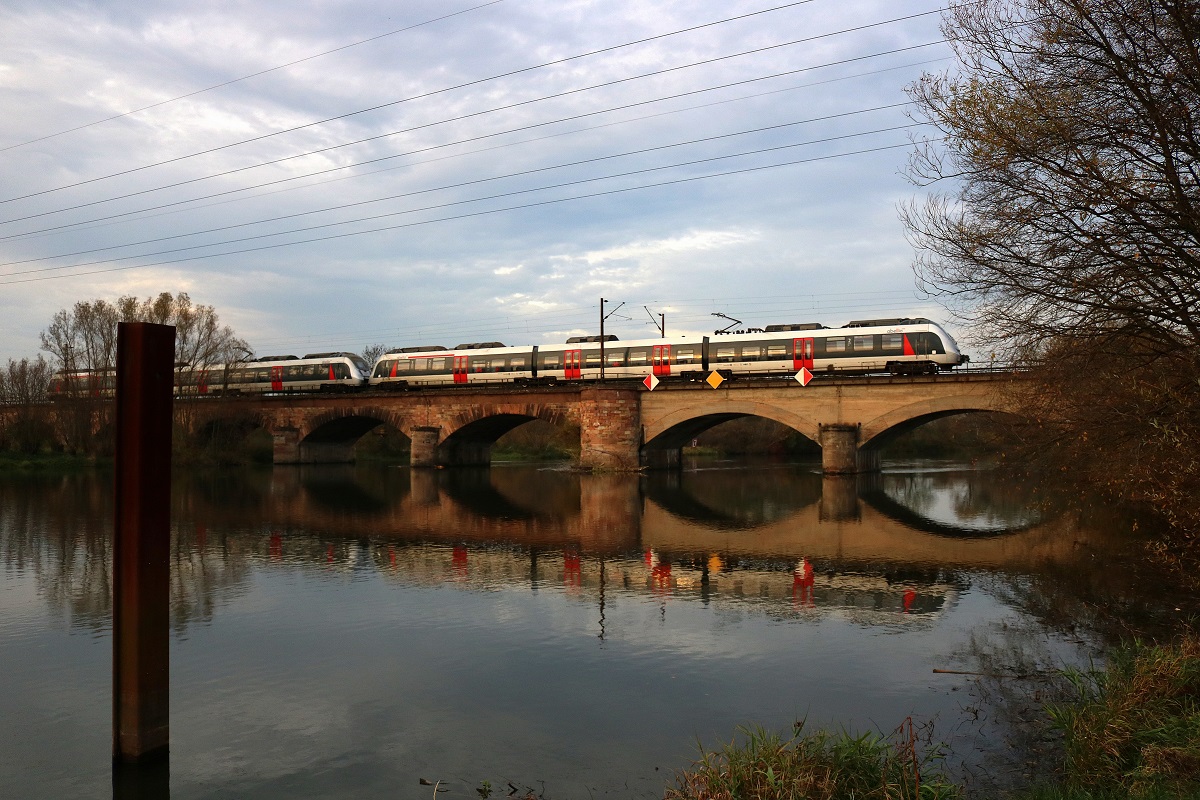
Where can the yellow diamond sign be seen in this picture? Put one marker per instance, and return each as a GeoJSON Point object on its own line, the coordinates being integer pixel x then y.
{"type": "Point", "coordinates": [714, 379]}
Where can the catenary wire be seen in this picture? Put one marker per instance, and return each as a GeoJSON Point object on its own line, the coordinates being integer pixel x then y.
{"type": "Point", "coordinates": [461, 184]}
{"type": "Point", "coordinates": [97, 224]}
{"type": "Point", "coordinates": [248, 77]}
{"type": "Point", "coordinates": [463, 202]}
{"type": "Point", "coordinates": [541, 203]}
{"type": "Point", "coordinates": [431, 93]}
{"type": "Point", "coordinates": [402, 154]}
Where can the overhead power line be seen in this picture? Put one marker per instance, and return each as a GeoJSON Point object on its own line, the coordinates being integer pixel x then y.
{"type": "Point", "coordinates": [251, 75]}
{"type": "Point", "coordinates": [488, 212]}
{"type": "Point", "coordinates": [460, 202]}
{"type": "Point", "coordinates": [503, 75]}
{"type": "Point", "coordinates": [422, 95]}
{"type": "Point", "coordinates": [473, 182]}
{"type": "Point", "coordinates": [418, 150]}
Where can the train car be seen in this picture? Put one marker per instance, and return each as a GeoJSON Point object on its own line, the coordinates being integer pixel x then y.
{"type": "Point", "coordinates": [81, 383]}
{"type": "Point", "coordinates": [314, 372]}
{"type": "Point", "coordinates": [897, 346]}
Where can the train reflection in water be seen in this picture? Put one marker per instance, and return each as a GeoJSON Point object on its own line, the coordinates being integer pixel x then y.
{"type": "Point", "coordinates": [782, 541]}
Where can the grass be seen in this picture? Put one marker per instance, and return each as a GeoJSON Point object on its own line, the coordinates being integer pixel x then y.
{"type": "Point", "coordinates": [761, 765]}
{"type": "Point", "coordinates": [1133, 729]}
{"type": "Point", "coordinates": [44, 462]}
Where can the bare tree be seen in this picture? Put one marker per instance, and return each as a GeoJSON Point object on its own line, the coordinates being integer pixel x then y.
{"type": "Point", "coordinates": [23, 386]}
{"type": "Point", "coordinates": [1069, 226]}
{"type": "Point", "coordinates": [82, 341]}
{"type": "Point", "coordinates": [372, 352]}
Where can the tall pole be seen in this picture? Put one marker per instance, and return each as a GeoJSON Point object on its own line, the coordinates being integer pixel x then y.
{"type": "Point", "coordinates": [142, 542]}
{"type": "Point", "coordinates": [601, 338]}
{"type": "Point", "coordinates": [662, 318]}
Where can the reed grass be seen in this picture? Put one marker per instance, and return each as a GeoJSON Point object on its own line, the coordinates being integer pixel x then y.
{"type": "Point", "coordinates": [763, 765]}
{"type": "Point", "coordinates": [1133, 729]}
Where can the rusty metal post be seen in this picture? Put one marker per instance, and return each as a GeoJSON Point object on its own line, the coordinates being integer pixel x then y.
{"type": "Point", "coordinates": [141, 541]}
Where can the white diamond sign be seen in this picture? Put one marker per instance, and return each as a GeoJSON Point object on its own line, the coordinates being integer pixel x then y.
{"type": "Point", "coordinates": [650, 382]}
{"type": "Point", "coordinates": [804, 376]}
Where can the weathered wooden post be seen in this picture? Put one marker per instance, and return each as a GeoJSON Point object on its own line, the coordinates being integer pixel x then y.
{"type": "Point", "coordinates": [141, 543]}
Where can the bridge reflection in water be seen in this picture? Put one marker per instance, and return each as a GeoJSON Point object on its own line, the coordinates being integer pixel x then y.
{"type": "Point", "coordinates": [355, 629]}
{"type": "Point", "coordinates": [784, 541]}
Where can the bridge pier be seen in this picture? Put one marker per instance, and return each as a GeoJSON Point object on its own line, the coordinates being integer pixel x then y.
{"type": "Point", "coordinates": [423, 452]}
{"type": "Point", "coordinates": [840, 453]}
{"type": "Point", "coordinates": [285, 446]}
{"type": "Point", "coordinates": [610, 429]}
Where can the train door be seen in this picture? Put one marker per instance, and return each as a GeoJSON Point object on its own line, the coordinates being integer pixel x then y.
{"type": "Point", "coordinates": [202, 381]}
{"type": "Point", "coordinates": [573, 364]}
{"type": "Point", "coordinates": [661, 358]}
{"type": "Point", "coordinates": [460, 369]}
{"type": "Point", "coordinates": [277, 379]}
{"type": "Point", "coordinates": [803, 354]}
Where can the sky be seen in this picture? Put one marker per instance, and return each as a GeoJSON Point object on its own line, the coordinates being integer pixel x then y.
{"type": "Point", "coordinates": [332, 175]}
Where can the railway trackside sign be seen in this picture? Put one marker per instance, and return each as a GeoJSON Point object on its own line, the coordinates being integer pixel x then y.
{"type": "Point", "coordinates": [804, 376]}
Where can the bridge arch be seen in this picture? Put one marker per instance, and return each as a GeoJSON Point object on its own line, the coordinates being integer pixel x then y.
{"type": "Point", "coordinates": [880, 431]}
{"type": "Point", "coordinates": [675, 429]}
{"type": "Point", "coordinates": [467, 437]}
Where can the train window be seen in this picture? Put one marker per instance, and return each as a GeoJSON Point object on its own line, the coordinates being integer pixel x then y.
{"type": "Point", "coordinates": [262, 375]}
{"type": "Point", "coordinates": [776, 352]}
{"type": "Point", "coordinates": [592, 359]}
{"type": "Point", "coordinates": [382, 369]}
{"type": "Point", "coordinates": [863, 343]}
{"type": "Point", "coordinates": [517, 363]}
{"type": "Point", "coordinates": [341, 371]}
{"type": "Point", "coordinates": [835, 344]}
{"type": "Point", "coordinates": [408, 365]}
{"type": "Point", "coordinates": [614, 358]}
{"type": "Point", "coordinates": [551, 360]}
{"type": "Point", "coordinates": [726, 353]}
{"type": "Point", "coordinates": [637, 357]}
{"type": "Point", "coordinates": [309, 371]}
{"type": "Point", "coordinates": [685, 355]}
{"type": "Point", "coordinates": [292, 374]}
{"type": "Point", "coordinates": [497, 365]}
{"type": "Point", "coordinates": [893, 341]}
{"type": "Point", "coordinates": [751, 352]}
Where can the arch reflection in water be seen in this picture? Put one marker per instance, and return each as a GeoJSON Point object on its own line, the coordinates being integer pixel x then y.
{"type": "Point", "coordinates": [320, 612]}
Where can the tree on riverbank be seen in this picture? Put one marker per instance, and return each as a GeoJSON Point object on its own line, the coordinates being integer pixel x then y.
{"type": "Point", "coordinates": [83, 339]}
{"type": "Point", "coordinates": [1070, 132]}
{"type": "Point", "coordinates": [23, 391]}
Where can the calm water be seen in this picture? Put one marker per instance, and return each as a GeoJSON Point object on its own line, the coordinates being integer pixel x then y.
{"type": "Point", "coordinates": [347, 632]}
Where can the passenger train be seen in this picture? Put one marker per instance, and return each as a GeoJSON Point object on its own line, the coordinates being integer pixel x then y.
{"type": "Point", "coordinates": [315, 372]}
{"type": "Point", "coordinates": [897, 346]}
{"type": "Point", "coordinates": [902, 346]}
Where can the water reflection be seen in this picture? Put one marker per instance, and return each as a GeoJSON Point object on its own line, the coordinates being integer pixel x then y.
{"type": "Point", "coordinates": [342, 631]}
{"type": "Point", "coordinates": [784, 541]}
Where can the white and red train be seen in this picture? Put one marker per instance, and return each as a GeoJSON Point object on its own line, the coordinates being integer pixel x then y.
{"type": "Point", "coordinates": [896, 346]}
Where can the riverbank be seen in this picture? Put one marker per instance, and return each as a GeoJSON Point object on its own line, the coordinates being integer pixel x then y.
{"type": "Point", "coordinates": [1127, 731]}
{"type": "Point", "coordinates": [11, 462]}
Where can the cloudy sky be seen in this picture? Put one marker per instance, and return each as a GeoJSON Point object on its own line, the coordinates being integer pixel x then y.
{"type": "Point", "coordinates": [334, 174]}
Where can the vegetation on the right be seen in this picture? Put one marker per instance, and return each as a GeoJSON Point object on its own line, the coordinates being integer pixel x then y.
{"type": "Point", "coordinates": [1063, 229]}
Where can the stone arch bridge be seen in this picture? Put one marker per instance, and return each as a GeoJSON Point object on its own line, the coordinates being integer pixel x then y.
{"type": "Point", "coordinates": [622, 426]}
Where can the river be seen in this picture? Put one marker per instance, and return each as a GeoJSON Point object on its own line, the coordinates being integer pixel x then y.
{"type": "Point", "coordinates": [375, 631]}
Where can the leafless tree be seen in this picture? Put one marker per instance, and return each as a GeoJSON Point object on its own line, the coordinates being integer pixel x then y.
{"type": "Point", "coordinates": [83, 340]}
{"type": "Point", "coordinates": [23, 387]}
{"type": "Point", "coordinates": [372, 352]}
{"type": "Point", "coordinates": [1065, 222]}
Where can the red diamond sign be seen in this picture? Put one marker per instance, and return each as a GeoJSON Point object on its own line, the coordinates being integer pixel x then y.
{"type": "Point", "coordinates": [804, 376]}
{"type": "Point", "coordinates": [650, 382]}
